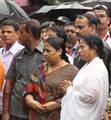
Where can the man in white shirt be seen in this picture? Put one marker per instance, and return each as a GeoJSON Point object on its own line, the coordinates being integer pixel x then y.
{"type": "Point", "coordinates": [102, 12]}
{"type": "Point", "coordinates": [9, 34]}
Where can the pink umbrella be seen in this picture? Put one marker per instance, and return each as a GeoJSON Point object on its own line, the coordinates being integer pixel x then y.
{"type": "Point", "coordinates": [22, 2]}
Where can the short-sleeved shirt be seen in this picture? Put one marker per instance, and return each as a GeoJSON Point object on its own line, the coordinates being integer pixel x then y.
{"type": "Point", "coordinates": [20, 72]}
{"type": "Point", "coordinates": [7, 56]}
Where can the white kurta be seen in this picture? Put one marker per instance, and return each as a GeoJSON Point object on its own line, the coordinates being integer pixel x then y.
{"type": "Point", "coordinates": [87, 98]}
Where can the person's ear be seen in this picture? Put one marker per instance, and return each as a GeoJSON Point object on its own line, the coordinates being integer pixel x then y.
{"type": "Point", "coordinates": [93, 28]}
{"type": "Point", "coordinates": [30, 34]}
{"type": "Point", "coordinates": [18, 35]}
{"type": "Point", "coordinates": [94, 49]}
{"type": "Point", "coordinates": [60, 51]}
{"type": "Point", "coordinates": [109, 20]}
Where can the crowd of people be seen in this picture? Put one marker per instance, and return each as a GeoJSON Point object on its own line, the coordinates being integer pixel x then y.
{"type": "Point", "coordinates": [56, 71]}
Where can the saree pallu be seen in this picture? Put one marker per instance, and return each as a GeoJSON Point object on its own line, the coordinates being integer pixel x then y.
{"type": "Point", "coordinates": [53, 92]}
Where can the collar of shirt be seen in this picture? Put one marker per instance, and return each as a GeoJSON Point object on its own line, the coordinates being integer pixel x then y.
{"type": "Point", "coordinates": [40, 47]}
{"type": "Point", "coordinates": [106, 36]}
{"type": "Point", "coordinates": [13, 49]}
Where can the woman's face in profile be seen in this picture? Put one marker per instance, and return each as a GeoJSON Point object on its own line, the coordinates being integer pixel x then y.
{"type": "Point", "coordinates": [50, 53]}
{"type": "Point", "coordinates": [85, 52]}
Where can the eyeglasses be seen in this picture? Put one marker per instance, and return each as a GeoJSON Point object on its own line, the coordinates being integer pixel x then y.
{"type": "Point", "coordinates": [99, 6]}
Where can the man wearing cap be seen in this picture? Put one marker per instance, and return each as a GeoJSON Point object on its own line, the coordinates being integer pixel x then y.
{"type": "Point", "coordinates": [62, 20]}
{"type": "Point", "coordinates": [70, 29]}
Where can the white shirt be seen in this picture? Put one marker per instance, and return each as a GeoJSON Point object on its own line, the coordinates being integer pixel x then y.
{"type": "Point", "coordinates": [107, 39]}
{"type": "Point", "coordinates": [87, 98]}
{"type": "Point", "coordinates": [70, 59]}
{"type": "Point", "coordinates": [7, 59]}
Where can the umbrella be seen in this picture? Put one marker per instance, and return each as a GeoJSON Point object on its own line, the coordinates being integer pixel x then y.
{"type": "Point", "coordinates": [41, 13]}
{"type": "Point", "coordinates": [68, 9]}
{"type": "Point", "coordinates": [92, 3]}
{"type": "Point", "coordinates": [9, 9]}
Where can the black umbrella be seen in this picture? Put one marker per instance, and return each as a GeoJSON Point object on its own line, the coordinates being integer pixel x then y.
{"type": "Point", "coordinates": [9, 9]}
{"type": "Point", "coordinates": [92, 3]}
{"type": "Point", "coordinates": [68, 9]}
{"type": "Point", "coordinates": [41, 13]}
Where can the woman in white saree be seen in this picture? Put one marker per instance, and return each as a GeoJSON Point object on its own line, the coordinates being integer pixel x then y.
{"type": "Point", "coordinates": [86, 98]}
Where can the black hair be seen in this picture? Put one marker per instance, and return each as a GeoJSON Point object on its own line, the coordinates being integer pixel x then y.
{"type": "Point", "coordinates": [72, 40]}
{"type": "Point", "coordinates": [94, 42]}
{"type": "Point", "coordinates": [53, 28]}
{"type": "Point", "coordinates": [58, 43]}
{"type": "Point", "coordinates": [95, 20]}
{"type": "Point", "coordinates": [11, 22]}
{"type": "Point", "coordinates": [47, 24]}
{"type": "Point", "coordinates": [102, 7]}
{"type": "Point", "coordinates": [33, 26]}
{"type": "Point", "coordinates": [60, 31]}
{"type": "Point", "coordinates": [91, 19]}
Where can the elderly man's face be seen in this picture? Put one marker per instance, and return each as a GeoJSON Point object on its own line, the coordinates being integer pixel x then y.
{"type": "Point", "coordinates": [104, 19]}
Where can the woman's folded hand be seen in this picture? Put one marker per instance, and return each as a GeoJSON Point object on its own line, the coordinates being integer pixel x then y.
{"type": "Point", "coordinates": [64, 85]}
{"type": "Point", "coordinates": [50, 106]}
